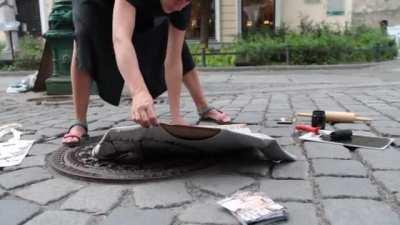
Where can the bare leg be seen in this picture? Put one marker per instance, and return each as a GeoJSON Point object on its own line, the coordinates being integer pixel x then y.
{"type": "Point", "coordinates": [81, 82]}
{"type": "Point", "coordinates": [192, 83]}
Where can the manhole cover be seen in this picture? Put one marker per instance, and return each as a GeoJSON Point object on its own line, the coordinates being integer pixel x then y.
{"type": "Point", "coordinates": [78, 163]}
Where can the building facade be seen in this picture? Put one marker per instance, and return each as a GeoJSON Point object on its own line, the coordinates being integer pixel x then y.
{"type": "Point", "coordinates": [231, 18]}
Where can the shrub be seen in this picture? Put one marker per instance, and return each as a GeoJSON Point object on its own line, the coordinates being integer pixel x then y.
{"type": "Point", "coordinates": [217, 57]}
{"type": "Point", "coordinates": [316, 44]}
{"type": "Point", "coordinates": [30, 53]}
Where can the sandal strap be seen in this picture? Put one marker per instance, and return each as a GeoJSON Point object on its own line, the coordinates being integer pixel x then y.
{"type": "Point", "coordinates": [79, 124]}
{"type": "Point", "coordinates": [203, 112]}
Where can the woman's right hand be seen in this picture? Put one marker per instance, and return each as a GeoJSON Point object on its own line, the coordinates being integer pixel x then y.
{"type": "Point", "coordinates": [143, 111]}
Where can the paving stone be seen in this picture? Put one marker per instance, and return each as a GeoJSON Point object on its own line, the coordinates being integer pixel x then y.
{"type": "Point", "coordinates": [94, 199]}
{"type": "Point", "coordinates": [161, 194]}
{"type": "Point", "coordinates": [48, 191]}
{"type": "Point", "coordinates": [388, 131]}
{"type": "Point", "coordinates": [287, 190]}
{"type": "Point", "coordinates": [321, 150]}
{"type": "Point", "coordinates": [258, 168]}
{"type": "Point", "coordinates": [389, 179]}
{"type": "Point", "coordinates": [295, 150]}
{"type": "Point", "coordinates": [335, 187]}
{"type": "Point", "coordinates": [132, 216]}
{"type": "Point", "coordinates": [43, 149]}
{"type": "Point", "coordinates": [60, 218]}
{"type": "Point", "coordinates": [352, 126]}
{"type": "Point", "coordinates": [30, 161]}
{"type": "Point", "coordinates": [51, 132]}
{"type": "Point", "coordinates": [359, 212]}
{"type": "Point", "coordinates": [340, 168]}
{"type": "Point", "coordinates": [14, 212]}
{"type": "Point", "coordinates": [207, 213]}
{"type": "Point", "coordinates": [249, 117]}
{"type": "Point", "coordinates": [381, 160]}
{"type": "Point", "coordinates": [213, 183]}
{"type": "Point", "coordinates": [297, 170]}
{"type": "Point", "coordinates": [300, 214]}
{"type": "Point", "coordinates": [23, 177]}
{"type": "Point", "coordinates": [277, 131]}
{"type": "Point", "coordinates": [285, 141]}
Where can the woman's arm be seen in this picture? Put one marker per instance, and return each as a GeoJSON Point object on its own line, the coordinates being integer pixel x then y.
{"type": "Point", "coordinates": [173, 71]}
{"type": "Point", "coordinates": [123, 26]}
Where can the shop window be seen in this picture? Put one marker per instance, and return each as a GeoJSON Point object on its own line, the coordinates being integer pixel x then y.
{"type": "Point", "coordinates": [193, 31]}
{"type": "Point", "coordinates": [336, 7]}
{"type": "Point", "coordinates": [258, 15]}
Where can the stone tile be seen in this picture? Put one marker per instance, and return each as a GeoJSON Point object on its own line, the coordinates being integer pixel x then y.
{"type": "Point", "coordinates": [207, 213]}
{"type": "Point", "coordinates": [60, 218]}
{"type": "Point", "coordinates": [339, 168]}
{"type": "Point", "coordinates": [15, 212]}
{"type": "Point", "coordinates": [296, 151]}
{"type": "Point", "coordinates": [161, 194]}
{"type": "Point", "coordinates": [51, 132]}
{"type": "Point", "coordinates": [48, 191]}
{"type": "Point", "coordinates": [132, 216]}
{"type": "Point", "coordinates": [213, 183]}
{"type": "Point", "coordinates": [285, 141]}
{"type": "Point", "coordinates": [43, 149]}
{"type": "Point", "coordinates": [352, 126]}
{"type": "Point", "coordinates": [388, 131]}
{"type": "Point", "coordinates": [340, 187]}
{"type": "Point", "coordinates": [277, 131]}
{"type": "Point", "coordinates": [381, 160]}
{"type": "Point", "coordinates": [297, 170]}
{"type": "Point", "coordinates": [23, 177]}
{"type": "Point", "coordinates": [359, 212]}
{"type": "Point", "coordinates": [321, 150]}
{"type": "Point", "coordinates": [257, 168]}
{"type": "Point", "coordinates": [300, 214]}
{"type": "Point", "coordinates": [287, 190]}
{"type": "Point", "coordinates": [94, 199]}
{"type": "Point", "coordinates": [249, 117]}
{"type": "Point", "coordinates": [389, 179]}
{"type": "Point", "coordinates": [30, 161]}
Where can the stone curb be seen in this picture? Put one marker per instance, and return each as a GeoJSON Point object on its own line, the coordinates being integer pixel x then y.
{"type": "Point", "coordinates": [291, 67]}
{"type": "Point", "coordinates": [16, 73]}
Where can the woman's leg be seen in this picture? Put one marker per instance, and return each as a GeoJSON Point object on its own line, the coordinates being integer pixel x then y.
{"type": "Point", "coordinates": [81, 83]}
{"type": "Point", "coordinates": [192, 83]}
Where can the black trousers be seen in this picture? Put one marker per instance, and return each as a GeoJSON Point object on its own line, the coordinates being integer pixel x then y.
{"type": "Point", "coordinates": [95, 54]}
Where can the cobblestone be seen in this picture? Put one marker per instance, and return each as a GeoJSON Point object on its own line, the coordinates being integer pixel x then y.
{"type": "Point", "coordinates": [381, 160]}
{"type": "Point", "coordinates": [23, 177]}
{"type": "Point", "coordinates": [94, 199]}
{"type": "Point", "coordinates": [389, 179]}
{"type": "Point", "coordinates": [132, 216]}
{"type": "Point", "coordinates": [287, 190]}
{"type": "Point", "coordinates": [161, 194]}
{"type": "Point", "coordinates": [359, 212]}
{"type": "Point", "coordinates": [15, 212]}
{"type": "Point", "coordinates": [48, 191]}
{"type": "Point", "coordinates": [207, 213]}
{"type": "Point", "coordinates": [296, 170]}
{"type": "Point", "coordinates": [321, 150]}
{"type": "Point", "coordinates": [301, 214]}
{"type": "Point", "coordinates": [334, 187]}
{"type": "Point", "coordinates": [60, 218]}
{"type": "Point", "coordinates": [339, 168]}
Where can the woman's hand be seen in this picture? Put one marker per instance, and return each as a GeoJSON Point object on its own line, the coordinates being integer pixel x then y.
{"type": "Point", "coordinates": [143, 111]}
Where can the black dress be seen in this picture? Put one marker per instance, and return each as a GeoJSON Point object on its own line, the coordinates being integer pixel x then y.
{"type": "Point", "coordinates": [95, 53]}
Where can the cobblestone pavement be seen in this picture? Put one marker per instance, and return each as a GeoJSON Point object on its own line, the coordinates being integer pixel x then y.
{"type": "Point", "coordinates": [328, 185]}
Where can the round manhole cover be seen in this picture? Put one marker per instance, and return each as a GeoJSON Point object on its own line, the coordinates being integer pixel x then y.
{"type": "Point", "coordinates": [78, 163]}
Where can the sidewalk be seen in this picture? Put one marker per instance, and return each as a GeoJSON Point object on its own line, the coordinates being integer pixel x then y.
{"type": "Point", "coordinates": [328, 185]}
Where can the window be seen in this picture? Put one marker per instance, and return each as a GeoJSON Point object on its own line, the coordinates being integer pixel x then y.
{"type": "Point", "coordinates": [258, 15]}
{"type": "Point", "coordinates": [193, 30]}
{"type": "Point", "coordinates": [336, 7]}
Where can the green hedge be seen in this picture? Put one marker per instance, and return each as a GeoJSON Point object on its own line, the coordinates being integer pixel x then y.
{"type": "Point", "coordinates": [321, 45]}
{"type": "Point", "coordinates": [216, 57]}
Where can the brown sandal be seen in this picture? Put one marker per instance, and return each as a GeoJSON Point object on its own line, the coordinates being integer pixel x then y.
{"type": "Point", "coordinates": [203, 116]}
{"type": "Point", "coordinates": [81, 139]}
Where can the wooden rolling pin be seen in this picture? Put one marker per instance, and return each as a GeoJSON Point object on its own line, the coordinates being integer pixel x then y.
{"type": "Point", "coordinates": [338, 117]}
